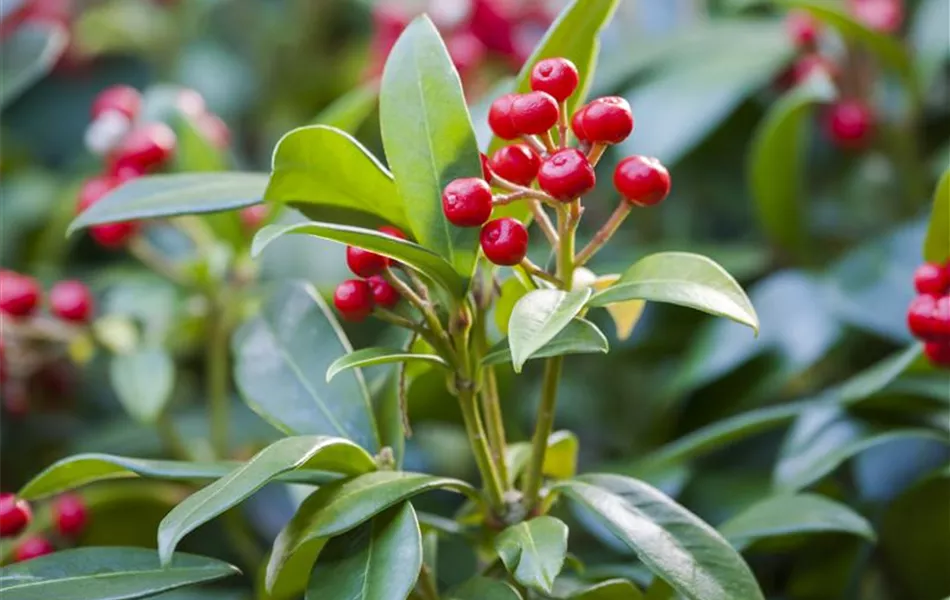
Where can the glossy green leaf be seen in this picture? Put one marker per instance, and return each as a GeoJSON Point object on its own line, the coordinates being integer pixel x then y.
{"type": "Point", "coordinates": [171, 195]}
{"type": "Point", "coordinates": [350, 111]}
{"type": "Point", "coordinates": [281, 357]}
{"type": "Point", "coordinates": [380, 560]}
{"type": "Point", "coordinates": [429, 141]}
{"type": "Point", "coordinates": [511, 291]}
{"type": "Point", "coordinates": [937, 243]}
{"type": "Point", "coordinates": [106, 574]}
{"type": "Point", "coordinates": [793, 514]}
{"type": "Point", "coordinates": [29, 53]}
{"type": "Point", "coordinates": [776, 164]}
{"type": "Point", "coordinates": [672, 542]}
{"type": "Point", "coordinates": [685, 279]}
{"type": "Point", "coordinates": [483, 588]}
{"type": "Point", "coordinates": [329, 176]}
{"type": "Point", "coordinates": [143, 381]}
{"type": "Point", "coordinates": [337, 508]}
{"type": "Point", "coordinates": [580, 336]}
{"type": "Point", "coordinates": [534, 551]}
{"type": "Point", "coordinates": [538, 317]}
{"type": "Point", "coordinates": [423, 260]}
{"type": "Point", "coordinates": [288, 454]}
{"type": "Point", "coordinates": [368, 357]}
{"type": "Point", "coordinates": [560, 459]}
{"type": "Point", "coordinates": [612, 589]}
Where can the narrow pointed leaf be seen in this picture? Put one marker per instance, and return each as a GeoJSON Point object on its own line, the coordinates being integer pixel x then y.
{"type": "Point", "coordinates": [538, 317]}
{"type": "Point", "coordinates": [484, 588]}
{"type": "Point", "coordinates": [612, 589]}
{"type": "Point", "coordinates": [368, 357]}
{"type": "Point", "coordinates": [534, 551]}
{"type": "Point", "coordinates": [143, 381]}
{"type": "Point", "coordinates": [937, 242]}
{"type": "Point", "coordinates": [580, 336]}
{"type": "Point", "coordinates": [560, 459]}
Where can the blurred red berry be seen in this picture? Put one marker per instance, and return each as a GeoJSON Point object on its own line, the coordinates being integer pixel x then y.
{"type": "Point", "coordinates": [931, 278]}
{"type": "Point", "coordinates": [499, 117]}
{"type": "Point", "coordinates": [466, 51]}
{"type": "Point", "coordinates": [119, 98]}
{"type": "Point", "coordinates": [607, 120]}
{"type": "Point", "coordinates": [881, 15]}
{"type": "Point", "coordinates": [384, 294]}
{"type": "Point", "coordinates": [144, 148]}
{"type": "Point", "coordinates": [534, 113]}
{"type": "Point", "coordinates": [556, 76]}
{"type": "Point", "coordinates": [577, 125]}
{"type": "Point", "coordinates": [642, 180]}
{"type": "Point", "coordinates": [810, 64]}
{"type": "Point", "coordinates": [19, 294]}
{"type": "Point", "coordinates": [191, 103]}
{"type": "Point", "coordinates": [850, 124]}
{"type": "Point", "coordinates": [491, 22]}
{"type": "Point", "coordinates": [802, 28]}
{"type": "Point", "coordinates": [214, 130]}
{"type": "Point", "coordinates": [32, 547]}
{"type": "Point", "coordinates": [93, 189]}
{"type": "Point", "coordinates": [504, 241]}
{"type": "Point", "coordinates": [938, 353]}
{"type": "Point", "coordinates": [354, 299]}
{"type": "Point", "coordinates": [467, 202]}
{"type": "Point", "coordinates": [566, 175]}
{"type": "Point", "coordinates": [516, 163]}
{"type": "Point", "coordinates": [113, 236]}
{"type": "Point", "coordinates": [71, 301]}
{"type": "Point", "coordinates": [71, 515]}
{"type": "Point", "coordinates": [364, 263]}
{"type": "Point", "coordinates": [252, 217]}
{"type": "Point", "coordinates": [15, 515]}
{"type": "Point", "coordinates": [392, 232]}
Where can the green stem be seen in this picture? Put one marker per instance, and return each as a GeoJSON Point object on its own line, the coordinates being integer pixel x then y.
{"type": "Point", "coordinates": [218, 376]}
{"type": "Point", "coordinates": [476, 435]}
{"type": "Point", "coordinates": [427, 585]}
{"type": "Point", "coordinates": [432, 319]}
{"type": "Point", "coordinates": [491, 406]}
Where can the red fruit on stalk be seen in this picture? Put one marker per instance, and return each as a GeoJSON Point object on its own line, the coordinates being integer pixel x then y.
{"type": "Point", "coordinates": [467, 202]}
{"type": "Point", "coordinates": [19, 294]}
{"type": "Point", "coordinates": [607, 120]}
{"type": "Point", "coordinates": [922, 316]}
{"type": "Point", "coordinates": [499, 118]}
{"type": "Point", "coordinates": [642, 180]}
{"type": "Point", "coordinates": [364, 263]}
{"type": "Point", "coordinates": [15, 515]}
{"type": "Point", "coordinates": [850, 124]}
{"type": "Point", "coordinates": [392, 232]}
{"type": "Point", "coordinates": [566, 175]}
{"type": "Point", "coordinates": [516, 163]}
{"type": "Point", "coordinates": [71, 515]}
{"type": "Point", "coordinates": [556, 76]}
{"type": "Point", "coordinates": [384, 294]}
{"type": "Point", "coordinates": [93, 189]}
{"type": "Point", "coordinates": [32, 547]}
{"type": "Point", "coordinates": [354, 299]}
{"type": "Point", "coordinates": [119, 98]}
{"type": "Point", "coordinates": [931, 278]}
{"type": "Point", "coordinates": [802, 28]}
{"type": "Point", "coordinates": [71, 301]}
{"type": "Point", "coordinates": [577, 125]}
{"type": "Point", "coordinates": [938, 353]}
{"type": "Point", "coordinates": [504, 241]}
{"type": "Point", "coordinates": [534, 113]}
{"type": "Point", "coordinates": [252, 217]}
{"type": "Point", "coordinates": [144, 148]}
{"type": "Point", "coordinates": [486, 168]}
{"type": "Point", "coordinates": [113, 236]}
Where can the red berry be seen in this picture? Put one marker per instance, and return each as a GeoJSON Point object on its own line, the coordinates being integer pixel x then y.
{"type": "Point", "coordinates": [940, 325]}
{"type": "Point", "coordinates": [466, 51]}
{"type": "Point", "coordinates": [119, 98]}
{"type": "Point", "coordinates": [364, 263]}
{"type": "Point", "coordinates": [191, 103]}
{"type": "Point", "coordinates": [19, 294]}
{"type": "Point", "coordinates": [93, 189]}
{"type": "Point", "coordinates": [805, 66]}
{"type": "Point", "coordinates": [252, 217]}
{"type": "Point", "coordinates": [354, 299]}
{"type": "Point", "coordinates": [534, 113]}
{"type": "Point", "coordinates": [214, 130]}
{"type": "Point", "coordinates": [607, 120]}
{"type": "Point", "coordinates": [32, 547]}
{"type": "Point", "coordinates": [144, 148]}
{"type": "Point", "coordinates": [504, 241]}
{"type": "Point", "coordinates": [921, 316]}
{"type": "Point", "coordinates": [850, 124]}
{"type": "Point", "coordinates": [556, 76]}
{"type": "Point", "coordinates": [880, 15]}
{"type": "Point", "coordinates": [15, 515]}
{"type": "Point", "coordinates": [930, 278]}
{"type": "Point", "coordinates": [566, 175]}
{"type": "Point", "coordinates": [516, 163]}
{"type": "Point", "coordinates": [499, 118]}
{"type": "Point", "coordinates": [486, 168]}
{"type": "Point", "coordinates": [642, 180]}
{"type": "Point", "coordinates": [71, 301]}
{"type": "Point", "coordinates": [392, 232]}
{"type": "Point", "coordinates": [113, 236]}
{"type": "Point", "coordinates": [577, 125]}
{"type": "Point", "coordinates": [938, 353]}
{"type": "Point", "coordinates": [71, 515]}
{"type": "Point", "coordinates": [803, 28]}
{"type": "Point", "coordinates": [467, 202]}
{"type": "Point", "coordinates": [384, 294]}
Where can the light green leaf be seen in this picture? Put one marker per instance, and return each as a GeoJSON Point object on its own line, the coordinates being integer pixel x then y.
{"type": "Point", "coordinates": [379, 560]}
{"type": "Point", "coordinates": [483, 588]}
{"type": "Point", "coordinates": [672, 542]}
{"type": "Point", "coordinates": [281, 357]}
{"type": "Point", "coordinates": [538, 317]}
{"type": "Point", "coordinates": [350, 111]}
{"type": "Point", "coordinates": [534, 551]}
{"type": "Point", "coordinates": [685, 279]}
{"type": "Point", "coordinates": [793, 514]}
{"type": "Point", "coordinates": [612, 589]}
{"type": "Point", "coordinates": [29, 53]}
{"type": "Point", "coordinates": [329, 176]}
{"type": "Point", "coordinates": [425, 261]}
{"type": "Point", "coordinates": [143, 381]}
{"type": "Point", "coordinates": [580, 336]}
{"type": "Point", "coordinates": [429, 141]}
{"type": "Point", "coordinates": [171, 195]}
{"type": "Point", "coordinates": [368, 357]}
{"type": "Point", "coordinates": [560, 459]}
{"type": "Point", "coordinates": [937, 243]}
{"type": "Point", "coordinates": [106, 574]}
{"type": "Point", "coordinates": [511, 291]}
{"type": "Point", "coordinates": [194, 152]}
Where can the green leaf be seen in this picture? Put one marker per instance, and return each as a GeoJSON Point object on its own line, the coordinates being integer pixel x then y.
{"type": "Point", "coordinates": [280, 360]}
{"type": "Point", "coordinates": [143, 381]}
{"type": "Point", "coordinates": [29, 53]}
{"type": "Point", "coordinates": [483, 588]}
{"type": "Point", "coordinates": [337, 508]}
{"type": "Point", "coordinates": [379, 560]}
{"type": "Point", "coordinates": [194, 152]}
{"type": "Point", "coordinates": [672, 542]}
{"type": "Point", "coordinates": [106, 574]}
{"type": "Point", "coordinates": [538, 317]}
{"type": "Point", "coordinates": [350, 111]}
{"type": "Point", "coordinates": [288, 454]}
{"type": "Point", "coordinates": [580, 336]}
{"type": "Point", "coordinates": [937, 243]}
{"type": "Point", "coordinates": [329, 176]}
{"type": "Point", "coordinates": [686, 279]}
{"type": "Point", "coordinates": [368, 357]}
{"type": "Point", "coordinates": [425, 261]}
{"type": "Point", "coordinates": [511, 291]}
{"type": "Point", "coordinates": [172, 195]}
{"type": "Point", "coordinates": [776, 165]}
{"type": "Point", "coordinates": [793, 514]}
{"type": "Point", "coordinates": [560, 459]}
{"type": "Point", "coordinates": [534, 551]}
{"type": "Point", "coordinates": [428, 137]}
{"type": "Point", "coordinates": [612, 589]}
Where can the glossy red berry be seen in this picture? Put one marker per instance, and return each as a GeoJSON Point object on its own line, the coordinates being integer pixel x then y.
{"type": "Point", "coordinates": [119, 98]}
{"type": "Point", "coordinates": [354, 299]}
{"type": "Point", "coordinates": [93, 189]}
{"type": "Point", "coordinates": [252, 217]}
{"type": "Point", "coordinates": [802, 28]}
{"type": "Point", "coordinates": [32, 547]}
{"type": "Point", "coordinates": [71, 515]}
{"type": "Point", "coordinates": [144, 148]}
{"type": "Point", "coordinates": [113, 236]}
{"type": "Point", "coordinates": [850, 124]}
{"type": "Point", "coordinates": [921, 316]}
{"type": "Point", "coordinates": [566, 175]}
{"type": "Point", "coordinates": [19, 294]}
{"type": "Point", "coordinates": [940, 324]}
{"type": "Point", "coordinates": [15, 515]}
{"type": "Point", "coordinates": [577, 125]}
{"type": "Point", "coordinates": [930, 278]}
{"type": "Point", "coordinates": [534, 113]}
{"type": "Point", "coordinates": [607, 120]}
{"type": "Point", "coordinates": [556, 76]}
{"type": "Point", "coordinates": [392, 232]}
{"type": "Point", "coordinates": [499, 118]}
{"type": "Point", "coordinates": [364, 263]}
{"type": "Point", "coordinates": [486, 168]}
{"type": "Point", "coordinates": [71, 301]}
{"type": "Point", "coordinates": [938, 353]}
{"type": "Point", "coordinates": [467, 202]}
{"type": "Point", "coordinates": [504, 241]}
{"type": "Point", "coordinates": [516, 163]}
{"type": "Point", "coordinates": [642, 180]}
{"type": "Point", "coordinates": [384, 294]}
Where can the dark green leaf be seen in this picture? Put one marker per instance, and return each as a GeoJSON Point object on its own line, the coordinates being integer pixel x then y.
{"type": "Point", "coordinates": [685, 279]}
{"type": "Point", "coordinates": [379, 560]}
{"type": "Point", "coordinates": [538, 317]}
{"type": "Point", "coordinates": [28, 54]}
{"type": "Point", "coordinates": [350, 111]}
{"type": "Point", "coordinates": [937, 244]}
{"type": "Point", "coordinates": [483, 588]}
{"type": "Point", "coordinates": [580, 336]}
{"type": "Point", "coordinates": [106, 574]}
{"type": "Point", "coordinates": [368, 357]}
{"type": "Point", "coordinates": [672, 542]}
{"type": "Point", "coordinates": [533, 551]}
{"type": "Point", "coordinates": [429, 141]}
{"type": "Point", "coordinates": [612, 589]}
{"type": "Point", "coordinates": [143, 381]}
{"type": "Point", "coordinates": [560, 459]}
{"type": "Point", "coordinates": [281, 357]}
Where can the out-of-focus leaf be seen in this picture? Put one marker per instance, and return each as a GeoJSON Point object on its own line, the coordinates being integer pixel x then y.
{"type": "Point", "coordinates": [538, 317]}
{"type": "Point", "coordinates": [511, 291]}
{"type": "Point", "coordinates": [143, 381]}
{"type": "Point", "coordinates": [123, 27]}
{"type": "Point", "coordinates": [484, 588]}
{"type": "Point", "coordinates": [625, 315]}
{"type": "Point", "coordinates": [368, 357]}
{"type": "Point", "coordinates": [560, 459]}
{"type": "Point", "coordinates": [937, 244]}
{"type": "Point", "coordinates": [534, 551]}
{"type": "Point", "coordinates": [612, 589]}
{"type": "Point", "coordinates": [28, 54]}
{"type": "Point", "coordinates": [580, 336]}
{"type": "Point", "coordinates": [349, 111]}
{"type": "Point", "coordinates": [930, 41]}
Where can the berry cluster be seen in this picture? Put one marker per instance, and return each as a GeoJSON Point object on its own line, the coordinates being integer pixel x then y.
{"type": "Point", "coordinates": [929, 314]}
{"type": "Point", "coordinates": [69, 514]}
{"type": "Point", "coordinates": [375, 287]}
